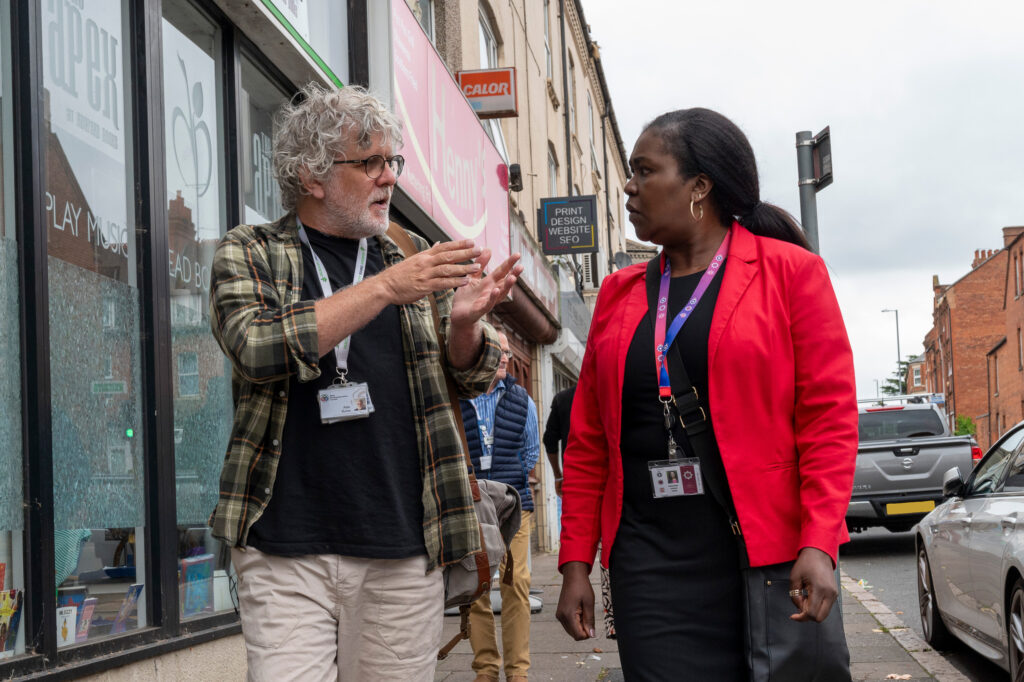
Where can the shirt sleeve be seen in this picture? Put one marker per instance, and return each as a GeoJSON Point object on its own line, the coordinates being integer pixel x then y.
{"type": "Point", "coordinates": [531, 447]}
{"type": "Point", "coordinates": [265, 338]}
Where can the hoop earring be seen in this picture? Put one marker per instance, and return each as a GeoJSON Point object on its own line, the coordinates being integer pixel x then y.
{"type": "Point", "coordinates": [692, 213]}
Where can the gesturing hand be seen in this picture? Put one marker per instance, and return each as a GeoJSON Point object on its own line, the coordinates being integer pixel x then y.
{"type": "Point", "coordinates": [813, 574]}
{"type": "Point", "coordinates": [438, 268]}
{"type": "Point", "coordinates": [479, 294]}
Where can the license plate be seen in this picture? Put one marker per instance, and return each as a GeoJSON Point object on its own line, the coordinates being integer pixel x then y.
{"type": "Point", "coordinates": [909, 507]}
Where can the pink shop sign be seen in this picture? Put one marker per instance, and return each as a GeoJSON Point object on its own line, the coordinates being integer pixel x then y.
{"type": "Point", "coordinates": [452, 169]}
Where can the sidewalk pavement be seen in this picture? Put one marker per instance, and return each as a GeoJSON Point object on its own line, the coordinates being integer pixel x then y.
{"type": "Point", "coordinates": [881, 646]}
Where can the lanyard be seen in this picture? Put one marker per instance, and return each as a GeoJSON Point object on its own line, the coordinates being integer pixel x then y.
{"type": "Point", "coordinates": [482, 423]}
{"type": "Point", "coordinates": [341, 350]}
{"type": "Point", "coordinates": [662, 339]}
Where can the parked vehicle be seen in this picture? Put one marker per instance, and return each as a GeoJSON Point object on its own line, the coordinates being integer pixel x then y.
{"type": "Point", "coordinates": [904, 446]}
{"type": "Point", "coordinates": [970, 558]}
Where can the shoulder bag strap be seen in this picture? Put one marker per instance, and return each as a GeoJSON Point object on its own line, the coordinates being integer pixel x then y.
{"type": "Point", "coordinates": [692, 424]}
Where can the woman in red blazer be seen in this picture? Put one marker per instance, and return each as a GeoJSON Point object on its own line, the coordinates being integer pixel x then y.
{"type": "Point", "coordinates": [766, 349]}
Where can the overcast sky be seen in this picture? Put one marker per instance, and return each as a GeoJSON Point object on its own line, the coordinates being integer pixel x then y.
{"type": "Point", "coordinates": [925, 100]}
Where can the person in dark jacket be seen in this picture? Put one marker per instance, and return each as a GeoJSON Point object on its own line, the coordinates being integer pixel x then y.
{"type": "Point", "coordinates": [504, 445]}
{"type": "Point", "coordinates": [556, 432]}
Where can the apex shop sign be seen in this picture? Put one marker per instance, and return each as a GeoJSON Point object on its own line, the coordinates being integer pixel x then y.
{"type": "Point", "coordinates": [568, 225]}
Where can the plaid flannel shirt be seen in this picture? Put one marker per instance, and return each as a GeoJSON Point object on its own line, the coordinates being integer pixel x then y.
{"type": "Point", "coordinates": [269, 335]}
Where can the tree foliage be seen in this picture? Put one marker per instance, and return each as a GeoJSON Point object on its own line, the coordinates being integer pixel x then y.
{"type": "Point", "coordinates": [896, 384]}
{"type": "Point", "coordinates": [965, 426]}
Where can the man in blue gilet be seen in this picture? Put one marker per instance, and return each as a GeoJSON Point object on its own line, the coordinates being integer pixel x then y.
{"type": "Point", "coordinates": [504, 444]}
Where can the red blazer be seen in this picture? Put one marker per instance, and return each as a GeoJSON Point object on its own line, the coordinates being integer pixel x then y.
{"type": "Point", "coordinates": [782, 398]}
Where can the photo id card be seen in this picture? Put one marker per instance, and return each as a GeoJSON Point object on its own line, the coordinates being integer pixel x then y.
{"type": "Point", "coordinates": [343, 403]}
{"type": "Point", "coordinates": [676, 477]}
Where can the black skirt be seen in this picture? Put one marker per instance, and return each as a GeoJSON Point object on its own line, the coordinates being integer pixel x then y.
{"type": "Point", "coordinates": [675, 577]}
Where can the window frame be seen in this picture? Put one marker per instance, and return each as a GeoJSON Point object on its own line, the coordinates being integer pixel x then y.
{"type": "Point", "coordinates": [143, 89]}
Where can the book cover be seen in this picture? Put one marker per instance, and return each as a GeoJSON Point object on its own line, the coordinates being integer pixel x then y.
{"type": "Point", "coordinates": [10, 617]}
{"type": "Point", "coordinates": [196, 585]}
{"type": "Point", "coordinates": [66, 625]}
{"type": "Point", "coordinates": [85, 619]}
{"type": "Point", "coordinates": [128, 605]}
{"type": "Point", "coordinates": [72, 596]}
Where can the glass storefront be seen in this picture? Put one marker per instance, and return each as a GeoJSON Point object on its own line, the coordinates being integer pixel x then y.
{"type": "Point", "coordinates": [196, 220]}
{"type": "Point", "coordinates": [94, 314]}
{"type": "Point", "coordinates": [109, 179]}
{"type": "Point", "coordinates": [259, 99]}
{"type": "Point", "coordinates": [12, 637]}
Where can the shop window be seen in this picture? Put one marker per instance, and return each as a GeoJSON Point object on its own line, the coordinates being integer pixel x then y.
{"type": "Point", "coordinates": [94, 317]}
{"type": "Point", "coordinates": [259, 98]}
{"type": "Point", "coordinates": [196, 220]}
{"type": "Point", "coordinates": [12, 570]}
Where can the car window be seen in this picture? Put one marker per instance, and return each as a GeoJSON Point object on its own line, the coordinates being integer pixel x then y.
{"type": "Point", "coordinates": [887, 424]}
{"type": "Point", "coordinates": [1014, 482]}
{"type": "Point", "coordinates": [988, 475]}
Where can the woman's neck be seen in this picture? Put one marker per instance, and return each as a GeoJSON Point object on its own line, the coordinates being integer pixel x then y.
{"type": "Point", "coordinates": [693, 253]}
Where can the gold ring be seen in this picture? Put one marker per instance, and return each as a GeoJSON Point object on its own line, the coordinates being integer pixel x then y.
{"type": "Point", "coordinates": [796, 593]}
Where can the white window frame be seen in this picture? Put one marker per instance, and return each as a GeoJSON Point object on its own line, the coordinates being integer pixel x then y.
{"type": "Point", "coordinates": [917, 375]}
{"type": "Point", "coordinates": [552, 173]}
{"type": "Point", "coordinates": [489, 60]}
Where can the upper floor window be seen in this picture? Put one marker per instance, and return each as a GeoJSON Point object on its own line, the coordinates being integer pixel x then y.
{"type": "Point", "coordinates": [424, 11]}
{"type": "Point", "coordinates": [547, 38]}
{"type": "Point", "coordinates": [917, 375]}
{"type": "Point", "coordinates": [489, 60]}
{"type": "Point", "coordinates": [552, 173]}
{"type": "Point", "coordinates": [572, 95]}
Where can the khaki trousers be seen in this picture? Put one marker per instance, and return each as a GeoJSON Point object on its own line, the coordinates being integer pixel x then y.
{"type": "Point", "coordinates": [515, 616]}
{"type": "Point", "coordinates": [329, 617]}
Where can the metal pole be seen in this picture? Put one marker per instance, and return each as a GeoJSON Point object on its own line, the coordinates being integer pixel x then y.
{"type": "Point", "coordinates": [899, 356]}
{"type": "Point", "coordinates": [805, 172]}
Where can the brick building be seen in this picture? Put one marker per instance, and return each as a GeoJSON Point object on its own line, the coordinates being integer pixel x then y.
{"type": "Point", "coordinates": [968, 323]}
{"type": "Point", "coordinates": [916, 379]}
{"type": "Point", "coordinates": [1005, 360]}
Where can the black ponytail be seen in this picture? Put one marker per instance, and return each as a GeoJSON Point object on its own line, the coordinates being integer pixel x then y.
{"type": "Point", "coordinates": [704, 141]}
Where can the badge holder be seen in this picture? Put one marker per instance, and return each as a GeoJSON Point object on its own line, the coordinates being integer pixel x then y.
{"type": "Point", "coordinates": [676, 476]}
{"type": "Point", "coordinates": [344, 400]}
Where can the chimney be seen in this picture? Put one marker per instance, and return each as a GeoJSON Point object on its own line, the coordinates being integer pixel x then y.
{"type": "Point", "coordinates": [1011, 233]}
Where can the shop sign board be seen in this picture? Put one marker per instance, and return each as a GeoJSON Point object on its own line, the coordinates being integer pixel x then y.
{"type": "Point", "coordinates": [452, 169]}
{"type": "Point", "coordinates": [491, 92]}
{"type": "Point", "coordinates": [568, 224]}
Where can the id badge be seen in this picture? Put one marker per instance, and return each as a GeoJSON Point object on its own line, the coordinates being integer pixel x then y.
{"type": "Point", "coordinates": [339, 403]}
{"type": "Point", "coordinates": [676, 477]}
{"type": "Point", "coordinates": [485, 462]}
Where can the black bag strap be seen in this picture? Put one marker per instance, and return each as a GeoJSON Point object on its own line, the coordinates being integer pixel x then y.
{"type": "Point", "coordinates": [692, 424]}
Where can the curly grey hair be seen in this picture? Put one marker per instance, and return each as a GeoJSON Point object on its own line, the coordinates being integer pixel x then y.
{"type": "Point", "coordinates": [314, 129]}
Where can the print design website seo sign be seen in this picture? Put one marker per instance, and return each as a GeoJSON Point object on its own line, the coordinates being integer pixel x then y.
{"type": "Point", "coordinates": [568, 224]}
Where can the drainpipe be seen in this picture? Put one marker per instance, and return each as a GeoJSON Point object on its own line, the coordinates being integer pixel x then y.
{"type": "Point", "coordinates": [565, 99]}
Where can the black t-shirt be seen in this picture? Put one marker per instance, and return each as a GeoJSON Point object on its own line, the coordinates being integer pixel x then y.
{"type": "Point", "coordinates": [352, 488]}
{"type": "Point", "coordinates": [675, 523]}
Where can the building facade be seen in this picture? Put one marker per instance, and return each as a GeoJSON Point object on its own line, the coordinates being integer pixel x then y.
{"type": "Point", "coordinates": [967, 324]}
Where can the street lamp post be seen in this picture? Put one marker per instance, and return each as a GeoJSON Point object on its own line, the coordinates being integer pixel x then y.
{"type": "Point", "coordinates": [899, 357]}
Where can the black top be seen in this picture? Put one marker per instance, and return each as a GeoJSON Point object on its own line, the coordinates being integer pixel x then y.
{"type": "Point", "coordinates": [556, 430]}
{"type": "Point", "coordinates": [352, 488]}
{"type": "Point", "coordinates": [675, 577]}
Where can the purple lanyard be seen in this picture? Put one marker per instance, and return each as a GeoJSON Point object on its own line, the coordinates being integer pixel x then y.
{"type": "Point", "coordinates": [662, 340]}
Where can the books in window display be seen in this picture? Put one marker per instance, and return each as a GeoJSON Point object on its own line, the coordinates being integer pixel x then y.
{"type": "Point", "coordinates": [195, 585]}
{"type": "Point", "coordinates": [10, 618]}
{"type": "Point", "coordinates": [129, 605]}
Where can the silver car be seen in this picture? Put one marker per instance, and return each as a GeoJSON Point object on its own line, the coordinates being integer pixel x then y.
{"type": "Point", "coordinates": [970, 558]}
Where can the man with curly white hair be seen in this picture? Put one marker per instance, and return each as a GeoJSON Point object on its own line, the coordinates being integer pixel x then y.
{"type": "Point", "coordinates": [344, 491]}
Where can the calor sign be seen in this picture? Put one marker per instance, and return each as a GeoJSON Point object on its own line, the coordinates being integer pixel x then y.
{"type": "Point", "coordinates": [491, 92]}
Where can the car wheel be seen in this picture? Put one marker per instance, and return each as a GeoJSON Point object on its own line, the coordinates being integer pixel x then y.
{"type": "Point", "coordinates": [1015, 631]}
{"type": "Point", "coordinates": [935, 632]}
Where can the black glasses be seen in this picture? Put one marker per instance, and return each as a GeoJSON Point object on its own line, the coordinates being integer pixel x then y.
{"type": "Point", "coordinates": [374, 165]}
